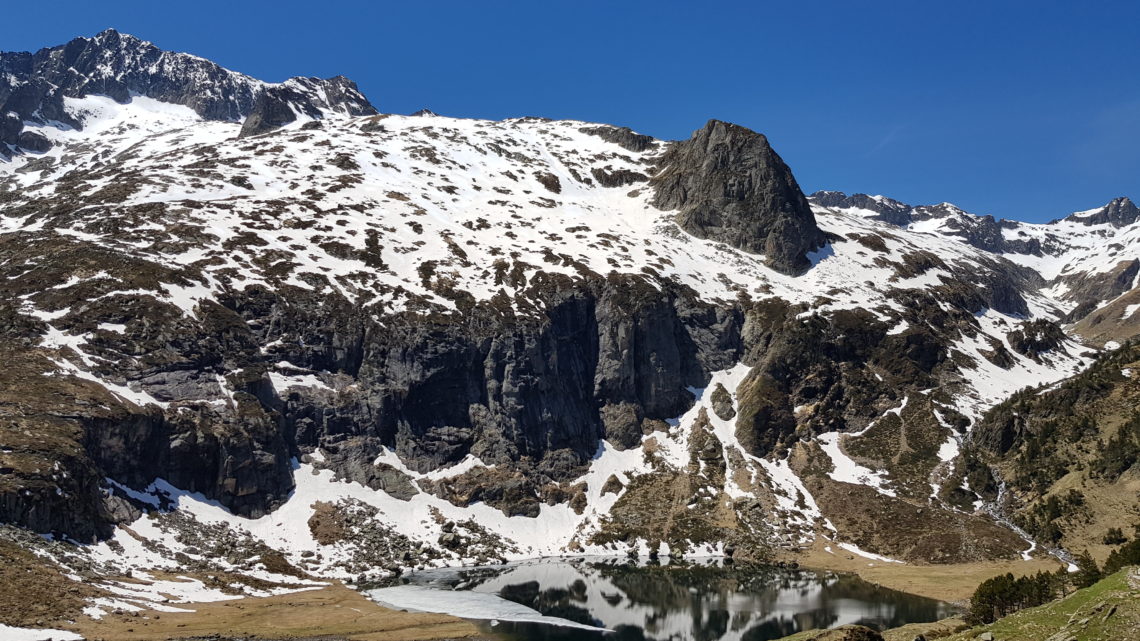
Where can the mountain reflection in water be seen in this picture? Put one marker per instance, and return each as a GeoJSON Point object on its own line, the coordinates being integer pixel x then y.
{"type": "Point", "coordinates": [699, 602]}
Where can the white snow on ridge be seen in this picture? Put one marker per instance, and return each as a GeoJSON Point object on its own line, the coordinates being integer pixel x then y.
{"type": "Point", "coordinates": [1067, 247]}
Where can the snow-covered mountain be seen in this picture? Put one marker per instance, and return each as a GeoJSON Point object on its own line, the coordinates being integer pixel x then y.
{"type": "Point", "coordinates": [35, 89]}
{"type": "Point", "coordinates": [1087, 259]}
{"type": "Point", "coordinates": [369, 341]}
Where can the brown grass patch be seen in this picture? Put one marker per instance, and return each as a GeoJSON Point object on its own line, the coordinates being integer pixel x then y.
{"type": "Point", "coordinates": [33, 592]}
{"type": "Point", "coordinates": [335, 611]}
{"type": "Point", "coordinates": [951, 582]}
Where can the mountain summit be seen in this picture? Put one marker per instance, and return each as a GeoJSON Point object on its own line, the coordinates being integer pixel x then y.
{"type": "Point", "coordinates": [34, 86]}
{"type": "Point", "coordinates": [729, 185]}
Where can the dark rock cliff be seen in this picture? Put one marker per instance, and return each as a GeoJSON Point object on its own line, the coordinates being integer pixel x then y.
{"type": "Point", "coordinates": [279, 105]}
{"type": "Point", "coordinates": [729, 185]}
{"type": "Point", "coordinates": [506, 387]}
{"type": "Point", "coordinates": [608, 358]}
{"type": "Point", "coordinates": [1121, 212]}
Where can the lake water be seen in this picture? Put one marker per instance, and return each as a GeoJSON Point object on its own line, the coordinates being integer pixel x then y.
{"type": "Point", "coordinates": [699, 602]}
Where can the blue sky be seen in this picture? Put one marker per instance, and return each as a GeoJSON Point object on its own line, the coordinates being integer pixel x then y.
{"type": "Point", "coordinates": [1024, 110]}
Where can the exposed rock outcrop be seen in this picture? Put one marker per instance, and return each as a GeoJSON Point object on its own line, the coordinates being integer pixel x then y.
{"type": "Point", "coordinates": [269, 111]}
{"type": "Point", "coordinates": [888, 209]}
{"type": "Point", "coordinates": [435, 390]}
{"type": "Point", "coordinates": [354, 459]}
{"type": "Point", "coordinates": [278, 105]}
{"type": "Point", "coordinates": [1120, 212]}
{"type": "Point", "coordinates": [622, 136]}
{"type": "Point", "coordinates": [722, 403]}
{"type": "Point", "coordinates": [729, 185]}
{"type": "Point", "coordinates": [1037, 337]}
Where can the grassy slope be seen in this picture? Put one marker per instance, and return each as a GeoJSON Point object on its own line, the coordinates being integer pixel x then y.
{"type": "Point", "coordinates": [1108, 611]}
{"type": "Point", "coordinates": [845, 633]}
{"type": "Point", "coordinates": [1064, 461]}
{"type": "Point", "coordinates": [945, 582]}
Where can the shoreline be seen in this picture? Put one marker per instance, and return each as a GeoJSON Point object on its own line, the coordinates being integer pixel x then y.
{"type": "Point", "coordinates": [951, 583]}
{"type": "Point", "coordinates": [340, 612]}
{"type": "Point", "coordinates": [331, 613]}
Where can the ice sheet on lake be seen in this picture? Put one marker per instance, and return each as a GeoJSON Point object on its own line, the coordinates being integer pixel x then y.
{"type": "Point", "coordinates": [467, 605]}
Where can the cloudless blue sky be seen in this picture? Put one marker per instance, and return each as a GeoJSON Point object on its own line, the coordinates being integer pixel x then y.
{"type": "Point", "coordinates": [1025, 110]}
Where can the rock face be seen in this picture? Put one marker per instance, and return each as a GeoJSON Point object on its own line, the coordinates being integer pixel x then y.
{"type": "Point", "coordinates": [269, 111]}
{"type": "Point", "coordinates": [1037, 337]}
{"type": "Point", "coordinates": [434, 391]}
{"type": "Point", "coordinates": [503, 389]}
{"type": "Point", "coordinates": [279, 105]}
{"type": "Point", "coordinates": [353, 459]}
{"type": "Point", "coordinates": [1089, 290]}
{"type": "Point", "coordinates": [33, 86]}
{"type": "Point", "coordinates": [888, 209]}
{"type": "Point", "coordinates": [1121, 212]}
{"type": "Point", "coordinates": [722, 403]}
{"type": "Point", "coordinates": [730, 186]}
{"type": "Point", "coordinates": [623, 136]}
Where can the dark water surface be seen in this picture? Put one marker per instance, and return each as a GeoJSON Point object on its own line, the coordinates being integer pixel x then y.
{"type": "Point", "coordinates": [699, 602]}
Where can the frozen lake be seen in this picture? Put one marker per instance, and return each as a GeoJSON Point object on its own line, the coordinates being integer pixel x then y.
{"type": "Point", "coordinates": [582, 598]}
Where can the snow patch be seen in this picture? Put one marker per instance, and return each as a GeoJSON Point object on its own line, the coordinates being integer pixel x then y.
{"type": "Point", "coordinates": [854, 549]}
{"type": "Point", "coordinates": [9, 633]}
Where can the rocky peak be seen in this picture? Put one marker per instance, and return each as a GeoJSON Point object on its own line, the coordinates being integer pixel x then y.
{"type": "Point", "coordinates": [729, 185]}
{"type": "Point", "coordinates": [888, 209]}
{"type": "Point", "coordinates": [117, 65]}
{"type": "Point", "coordinates": [1121, 212]}
{"type": "Point", "coordinates": [983, 232]}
